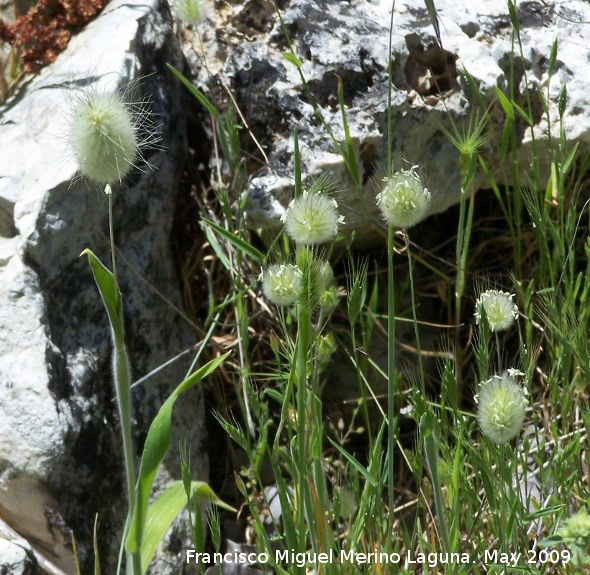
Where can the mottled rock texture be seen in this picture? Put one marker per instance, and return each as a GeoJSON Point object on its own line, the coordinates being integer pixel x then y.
{"type": "Point", "coordinates": [60, 451]}
{"type": "Point", "coordinates": [240, 47]}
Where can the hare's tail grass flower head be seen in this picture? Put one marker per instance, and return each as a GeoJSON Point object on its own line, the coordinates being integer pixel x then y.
{"type": "Point", "coordinates": [498, 307]}
{"type": "Point", "coordinates": [282, 283]}
{"type": "Point", "coordinates": [501, 403]}
{"type": "Point", "coordinates": [575, 531]}
{"type": "Point", "coordinates": [317, 277]}
{"type": "Point", "coordinates": [312, 218]}
{"type": "Point", "coordinates": [189, 11]}
{"type": "Point", "coordinates": [104, 134]}
{"type": "Point", "coordinates": [403, 200]}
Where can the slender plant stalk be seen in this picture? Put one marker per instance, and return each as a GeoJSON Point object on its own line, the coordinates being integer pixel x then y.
{"type": "Point", "coordinates": [109, 194]}
{"type": "Point", "coordinates": [390, 303]}
{"type": "Point", "coordinates": [122, 376]}
{"type": "Point", "coordinates": [122, 386]}
{"type": "Point", "coordinates": [462, 251]}
{"type": "Point", "coordinates": [427, 431]}
{"type": "Point", "coordinates": [304, 327]}
{"type": "Point", "coordinates": [390, 374]}
{"type": "Point", "coordinates": [422, 400]}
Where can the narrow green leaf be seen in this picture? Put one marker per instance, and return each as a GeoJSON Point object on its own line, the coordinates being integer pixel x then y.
{"type": "Point", "coordinates": [164, 510]}
{"type": "Point", "coordinates": [427, 428]}
{"type": "Point", "coordinates": [544, 103]}
{"type": "Point", "coordinates": [156, 446]}
{"type": "Point", "coordinates": [217, 248]}
{"type": "Point", "coordinates": [542, 513]}
{"type": "Point", "coordinates": [360, 468]}
{"type": "Point", "coordinates": [434, 20]}
{"type": "Point", "coordinates": [200, 374]}
{"type": "Point", "coordinates": [514, 16]}
{"type": "Point", "coordinates": [196, 93]}
{"type": "Point", "coordinates": [292, 58]}
{"type": "Point", "coordinates": [237, 242]}
{"type": "Point", "coordinates": [525, 116]}
{"type": "Point", "coordinates": [505, 103]}
{"type": "Point", "coordinates": [552, 58]}
{"type": "Point", "coordinates": [109, 291]}
{"type": "Point", "coordinates": [241, 486]}
{"type": "Point", "coordinates": [505, 140]}
{"type": "Point", "coordinates": [550, 541]}
{"type": "Point", "coordinates": [570, 159]}
{"type": "Point", "coordinates": [286, 501]}
{"type": "Point", "coordinates": [562, 101]}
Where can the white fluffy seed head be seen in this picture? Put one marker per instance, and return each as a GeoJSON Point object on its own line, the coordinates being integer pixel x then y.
{"type": "Point", "coordinates": [104, 136]}
{"type": "Point", "coordinates": [404, 201]}
{"type": "Point", "coordinates": [312, 219]}
{"type": "Point", "coordinates": [281, 283]}
{"type": "Point", "coordinates": [501, 404]}
{"type": "Point", "coordinates": [498, 307]}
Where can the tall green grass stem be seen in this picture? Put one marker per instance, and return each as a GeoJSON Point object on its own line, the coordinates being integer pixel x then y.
{"type": "Point", "coordinates": [462, 251]}
{"type": "Point", "coordinates": [303, 337]}
{"type": "Point", "coordinates": [122, 377]}
{"type": "Point", "coordinates": [390, 374]}
{"type": "Point", "coordinates": [427, 431]}
{"type": "Point", "coordinates": [421, 402]}
{"type": "Point", "coordinates": [109, 194]}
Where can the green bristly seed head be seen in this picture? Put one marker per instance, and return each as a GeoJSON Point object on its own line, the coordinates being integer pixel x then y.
{"type": "Point", "coordinates": [576, 529]}
{"type": "Point", "coordinates": [189, 11]}
{"type": "Point", "coordinates": [103, 136]}
{"type": "Point", "coordinates": [317, 277]}
{"type": "Point", "coordinates": [501, 403]}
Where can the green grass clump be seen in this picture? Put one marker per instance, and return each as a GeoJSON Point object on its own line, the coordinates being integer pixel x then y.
{"type": "Point", "coordinates": [470, 468]}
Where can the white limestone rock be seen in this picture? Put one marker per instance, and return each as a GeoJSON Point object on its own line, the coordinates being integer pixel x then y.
{"type": "Point", "coordinates": [15, 560]}
{"type": "Point", "coordinates": [350, 40]}
{"type": "Point", "coordinates": [60, 452]}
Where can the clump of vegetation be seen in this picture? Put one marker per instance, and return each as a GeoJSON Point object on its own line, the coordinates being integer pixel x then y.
{"type": "Point", "coordinates": [441, 481]}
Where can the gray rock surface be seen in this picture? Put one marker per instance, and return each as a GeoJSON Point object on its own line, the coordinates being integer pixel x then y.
{"type": "Point", "coordinates": [240, 46]}
{"type": "Point", "coordinates": [60, 451]}
{"type": "Point", "coordinates": [15, 560]}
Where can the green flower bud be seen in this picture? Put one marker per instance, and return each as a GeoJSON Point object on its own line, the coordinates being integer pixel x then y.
{"type": "Point", "coordinates": [317, 277]}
